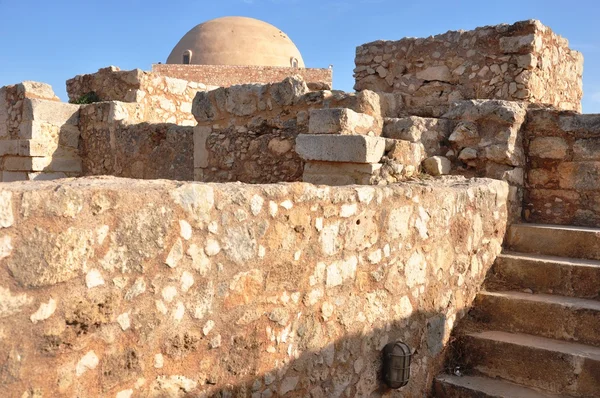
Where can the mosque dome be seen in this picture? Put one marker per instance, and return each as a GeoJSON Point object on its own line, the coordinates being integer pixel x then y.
{"type": "Point", "coordinates": [236, 41]}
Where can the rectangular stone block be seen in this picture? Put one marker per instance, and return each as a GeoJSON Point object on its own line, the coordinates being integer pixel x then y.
{"type": "Point", "coordinates": [12, 176]}
{"type": "Point", "coordinates": [46, 163]}
{"type": "Point", "coordinates": [336, 174]}
{"type": "Point", "coordinates": [341, 121]}
{"type": "Point", "coordinates": [201, 134]}
{"type": "Point", "coordinates": [581, 176]}
{"type": "Point", "coordinates": [53, 112]}
{"type": "Point", "coordinates": [340, 148]}
{"type": "Point", "coordinates": [35, 148]}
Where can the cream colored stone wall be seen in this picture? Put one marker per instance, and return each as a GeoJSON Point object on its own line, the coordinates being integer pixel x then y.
{"type": "Point", "coordinates": [248, 133]}
{"type": "Point", "coordinates": [38, 134]}
{"type": "Point", "coordinates": [162, 99]}
{"type": "Point", "coordinates": [525, 61]}
{"type": "Point", "coordinates": [118, 287]}
{"type": "Point", "coordinates": [116, 141]}
{"type": "Point", "coordinates": [563, 176]}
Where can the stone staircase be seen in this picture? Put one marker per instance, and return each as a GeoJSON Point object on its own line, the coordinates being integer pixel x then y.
{"type": "Point", "coordinates": [534, 332]}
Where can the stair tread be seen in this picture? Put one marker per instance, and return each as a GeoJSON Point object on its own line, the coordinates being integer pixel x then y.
{"type": "Point", "coordinates": [558, 226]}
{"type": "Point", "coordinates": [542, 343]}
{"type": "Point", "coordinates": [493, 387]}
{"type": "Point", "coordinates": [579, 262]}
{"type": "Point", "coordinates": [573, 302]}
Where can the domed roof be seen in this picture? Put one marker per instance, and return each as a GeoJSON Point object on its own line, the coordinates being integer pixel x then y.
{"type": "Point", "coordinates": [236, 41]}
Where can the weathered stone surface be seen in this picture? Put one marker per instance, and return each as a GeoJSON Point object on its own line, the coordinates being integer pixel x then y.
{"type": "Point", "coordinates": [437, 165]}
{"type": "Point", "coordinates": [431, 132]}
{"type": "Point", "coordinates": [548, 147]}
{"type": "Point", "coordinates": [524, 61]}
{"type": "Point", "coordinates": [341, 121]}
{"type": "Point", "coordinates": [340, 148]}
{"type": "Point", "coordinates": [318, 277]}
{"type": "Point", "coordinates": [333, 173]}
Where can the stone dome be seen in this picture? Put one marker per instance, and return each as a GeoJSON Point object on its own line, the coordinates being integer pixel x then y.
{"type": "Point", "coordinates": [236, 41]}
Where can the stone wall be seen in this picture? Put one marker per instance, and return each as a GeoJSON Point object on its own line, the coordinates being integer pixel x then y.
{"type": "Point", "coordinates": [231, 75]}
{"type": "Point", "coordinates": [563, 180]}
{"type": "Point", "coordinates": [525, 61]}
{"type": "Point", "coordinates": [38, 134]}
{"type": "Point", "coordinates": [162, 99]}
{"type": "Point", "coordinates": [247, 133]}
{"type": "Point", "coordinates": [116, 141]}
{"type": "Point", "coordinates": [118, 287]}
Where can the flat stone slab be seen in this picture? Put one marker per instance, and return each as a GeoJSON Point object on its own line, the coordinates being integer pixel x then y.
{"type": "Point", "coordinates": [340, 148]}
{"type": "Point", "coordinates": [331, 173]}
{"type": "Point", "coordinates": [342, 121]}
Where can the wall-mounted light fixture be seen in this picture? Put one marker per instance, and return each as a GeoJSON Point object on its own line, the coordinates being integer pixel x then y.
{"type": "Point", "coordinates": [396, 364]}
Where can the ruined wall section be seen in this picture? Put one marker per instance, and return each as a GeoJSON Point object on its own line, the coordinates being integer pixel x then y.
{"type": "Point", "coordinates": [231, 75]}
{"type": "Point", "coordinates": [163, 99]}
{"type": "Point", "coordinates": [563, 180]}
{"type": "Point", "coordinates": [38, 134]}
{"type": "Point", "coordinates": [525, 61]}
{"type": "Point", "coordinates": [248, 133]}
{"type": "Point", "coordinates": [115, 140]}
{"type": "Point", "coordinates": [156, 288]}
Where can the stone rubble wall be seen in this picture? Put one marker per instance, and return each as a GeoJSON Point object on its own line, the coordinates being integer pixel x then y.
{"type": "Point", "coordinates": [115, 140]}
{"type": "Point", "coordinates": [118, 287]}
{"type": "Point", "coordinates": [247, 133]}
{"type": "Point", "coordinates": [231, 75]}
{"type": "Point", "coordinates": [38, 134]}
{"type": "Point", "coordinates": [563, 177]}
{"type": "Point", "coordinates": [163, 99]}
{"type": "Point", "coordinates": [525, 61]}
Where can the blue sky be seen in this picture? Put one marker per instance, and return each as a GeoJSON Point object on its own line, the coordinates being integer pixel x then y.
{"type": "Point", "coordinates": [51, 41]}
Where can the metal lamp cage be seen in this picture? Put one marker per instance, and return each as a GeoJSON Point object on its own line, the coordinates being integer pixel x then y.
{"type": "Point", "coordinates": [396, 364]}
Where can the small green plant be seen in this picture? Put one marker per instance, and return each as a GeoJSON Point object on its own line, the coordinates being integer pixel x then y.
{"type": "Point", "coordinates": [88, 98]}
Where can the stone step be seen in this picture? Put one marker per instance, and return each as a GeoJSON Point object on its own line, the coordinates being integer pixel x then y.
{"type": "Point", "coordinates": [342, 121]}
{"type": "Point", "coordinates": [570, 277]}
{"type": "Point", "coordinates": [553, 366]}
{"type": "Point", "coordinates": [554, 240]}
{"type": "Point", "coordinates": [556, 317]}
{"type": "Point", "coordinates": [447, 386]}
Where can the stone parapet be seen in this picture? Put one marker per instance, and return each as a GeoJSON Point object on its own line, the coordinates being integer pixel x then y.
{"type": "Point", "coordinates": [158, 288]}
{"type": "Point", "coordinates": [525, 61]}
{"type": "Point", "coordinates": [232, 75]}
{"type": "Point", "coordinates": [116, 141]}
{"type": "Point", "coordinates": [248, 133]}
{"type": "Point", "coordinates": [563, 178]}
{"type": "Point", "coordinates": [39, 135]}
{"type": "Point", "coordinates": [163, 99]}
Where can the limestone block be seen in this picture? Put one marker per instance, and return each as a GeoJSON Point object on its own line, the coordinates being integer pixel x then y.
{"type": "Point", "coordinates": [407, 153]}
{"type": "Point", "coordinates": [340, 148]}
{"type": "Point", "coordinates": [11, 176]}
{"type": "Point", "coordinates": [53, 112]}
{"type": "Point", "coordinates": [429, 131]}
{"type": "Point", "coordinates": [439, 73]}
{"type": "Point", "coordinates": [289, 90]}
{"type": "Point", "coordinates": [517, 44]}
{"type": "Point", "coordinates": [31, 89]}
{"type": "Point", "coordinates": [583, 176]}
{"type": "Point", "coordinates": [548, 147]}
{"type": "Point", "coordinates": [586, 149]}
{"type": "Point", "coordinates": [201, 134]}
{"type": "Point", "coordinates": [437, 165]}
{"type": "Point", "coordinates": [464, 134]}
{"type": "Point", "coordinates": [45, 163]}
{"type": "Point", "coordinates": [316, 167]}
{"type": "Point", "coordinates": [341, 121]}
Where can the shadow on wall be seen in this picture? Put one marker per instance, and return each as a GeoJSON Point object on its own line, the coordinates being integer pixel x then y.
{"type": "Point", "coordinates": [350, 367]}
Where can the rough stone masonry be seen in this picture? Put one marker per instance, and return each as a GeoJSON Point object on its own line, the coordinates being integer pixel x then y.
{"type": "Point", "coordinates": [121, 288]}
